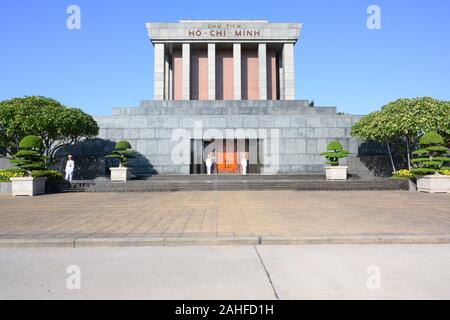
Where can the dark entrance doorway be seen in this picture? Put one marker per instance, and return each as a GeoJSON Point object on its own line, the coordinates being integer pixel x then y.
{"type": "Point", "coordinates": [227, 155]}
{"type": "Point", "coordinates": [227, 158]}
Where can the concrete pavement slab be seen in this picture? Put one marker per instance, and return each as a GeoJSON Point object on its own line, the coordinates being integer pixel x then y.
{"type": "Point", "coordinates": [135, 273]}
{"type": "Point", "coordinates": [351, 271]}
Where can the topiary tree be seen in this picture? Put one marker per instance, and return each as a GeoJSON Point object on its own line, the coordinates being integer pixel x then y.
{"type": "Point", "coordinates": [29, 157]}
{"type": "Point", "coordinates": [334, 152]}
{"type": "Point", "coordinates": [123, 153]}
{"type": "Point", "coordinates": [431, 156]}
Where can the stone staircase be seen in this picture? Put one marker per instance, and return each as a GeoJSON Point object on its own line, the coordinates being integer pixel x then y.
{"type": "Point", "coordinates": [64, 186]}
{"type": "Point", "coordinates": [167, 183]}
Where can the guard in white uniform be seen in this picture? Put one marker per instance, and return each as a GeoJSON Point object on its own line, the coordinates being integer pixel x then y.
{"type": "Point", "coordinates": [70, 166]}
{"type": "Point", "coordinates": [209, 163]}
{"type": "Point", "coordinates": [244, 164]}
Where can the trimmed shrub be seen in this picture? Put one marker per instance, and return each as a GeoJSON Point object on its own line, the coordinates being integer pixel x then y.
{"type": "Point", "coordinates": [431, 155]}
{"type": "Point", "coordinates": [6, 174]}
{"type": "Point", "coordinates": [444, 172]}
{"type": "Point", "coordinates": [29, 157]}
{"type": "Point", "coordinates": [334, 152]}
{"type": "Point", "coordinates": [31, 143]}
{"type": "Point", "coordinates": [402, 174]}
{"type": "Point", "coordinates": [51, 175]}
{"type": "Point", "coordinates": [123, 153]}
{"type": "Point", "coordinates": [122, 145]}
{"type": "Point", "coordinates": [430, 139]}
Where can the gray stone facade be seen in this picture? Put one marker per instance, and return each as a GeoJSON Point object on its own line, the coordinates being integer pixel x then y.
{"type": "Point", "coordinates": [303, 131]}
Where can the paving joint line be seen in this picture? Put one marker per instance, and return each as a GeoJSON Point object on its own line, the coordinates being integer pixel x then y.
{"type": "Point", "coordinates": [267, 273]}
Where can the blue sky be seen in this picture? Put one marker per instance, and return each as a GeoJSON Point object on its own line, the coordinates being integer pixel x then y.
{"type": "Point", "coordinates": [339, 61]}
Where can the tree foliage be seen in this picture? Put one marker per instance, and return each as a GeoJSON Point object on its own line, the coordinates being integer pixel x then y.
{"type": "Point", "coordinates": [334, 152]}
{"type": "Point", "coordinates": [407, 120]}
{"type": "Point", "coordinates": [123, 153]}
{"type": "Point", "coordinates": [57, 124]}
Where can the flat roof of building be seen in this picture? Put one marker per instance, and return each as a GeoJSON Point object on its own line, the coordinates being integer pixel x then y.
{"type": "Point", "coordinates": [224, 31]}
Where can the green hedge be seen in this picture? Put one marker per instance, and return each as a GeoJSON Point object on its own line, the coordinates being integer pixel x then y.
{"type": "Point", "coordinates": [402, 174]}
{"type": "Point", "coordinates": [51, 175]}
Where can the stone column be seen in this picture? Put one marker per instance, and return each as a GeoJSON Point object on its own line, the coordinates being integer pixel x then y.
{"type": "Point", "coordinates": [237, 71]}
{"type": "Point", "coordinates": [186, 53]}
{"type": "Point", "coordinates": [211, 71]}
{"type": "Point", "coordinates": [288, 71]}
{"type": "Point", "coordinates": [281, 75]}
{"type": "Point", "coordinates": [262, 66]}
{"type": "Point", "coordinates": [166, 77]}
{"type": "Point", "coordinates": [171, 76]}
{"type": "Point", "coordinates": [158, 67]}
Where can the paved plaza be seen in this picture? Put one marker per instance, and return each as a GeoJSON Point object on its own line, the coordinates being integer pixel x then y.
{"type": "Point", "coordinates": [225, 214]}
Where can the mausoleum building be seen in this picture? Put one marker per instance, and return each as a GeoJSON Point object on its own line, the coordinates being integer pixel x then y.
{"type": "Point", "coordinates": [225, 89]}
{"type": "Point", "coordinates": [224, 60]}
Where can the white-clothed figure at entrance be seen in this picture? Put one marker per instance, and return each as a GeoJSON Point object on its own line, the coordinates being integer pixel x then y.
{"type": "Point", "coordinates": [70, 166]}
{"type": "Point", "coordinates": [209, 163]}
{"type": "Point", "coordinates": [244, 164]}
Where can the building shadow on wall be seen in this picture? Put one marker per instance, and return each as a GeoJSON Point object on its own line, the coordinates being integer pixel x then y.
{"type": "Point", "coordinates": [375, 157]}
{"type": "Point", "coordinates": [90, 161]}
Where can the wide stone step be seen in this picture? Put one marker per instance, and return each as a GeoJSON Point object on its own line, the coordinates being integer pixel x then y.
{"type": "Point", "coordinates": [304, 185]}
{"type": "Point", "coordinates": [225, 183]}
{"type": "Point", "coordinates": [231, 177]}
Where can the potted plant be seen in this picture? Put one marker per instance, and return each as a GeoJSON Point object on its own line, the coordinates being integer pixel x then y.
{"type": "Point", "coordinates": [29, 158]}
{"type": "Point", "coordinates": [429, 166]}
{"type": "Point", "coordinates": [334, 152]}
{"type": "Point", "coordinates": [123, 153]}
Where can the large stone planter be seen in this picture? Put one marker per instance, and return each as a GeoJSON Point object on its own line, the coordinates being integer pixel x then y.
{"type": "Point", "coordinates": [5, 187]}
{"type": "Point", "coordinates": [434, 184]}
{"type": "Point", "coordinates": [336, 172]}
{"type": "Point", "coordinates": [28, 186]}
{"type": "Point", "coordinates": [120, 174]}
